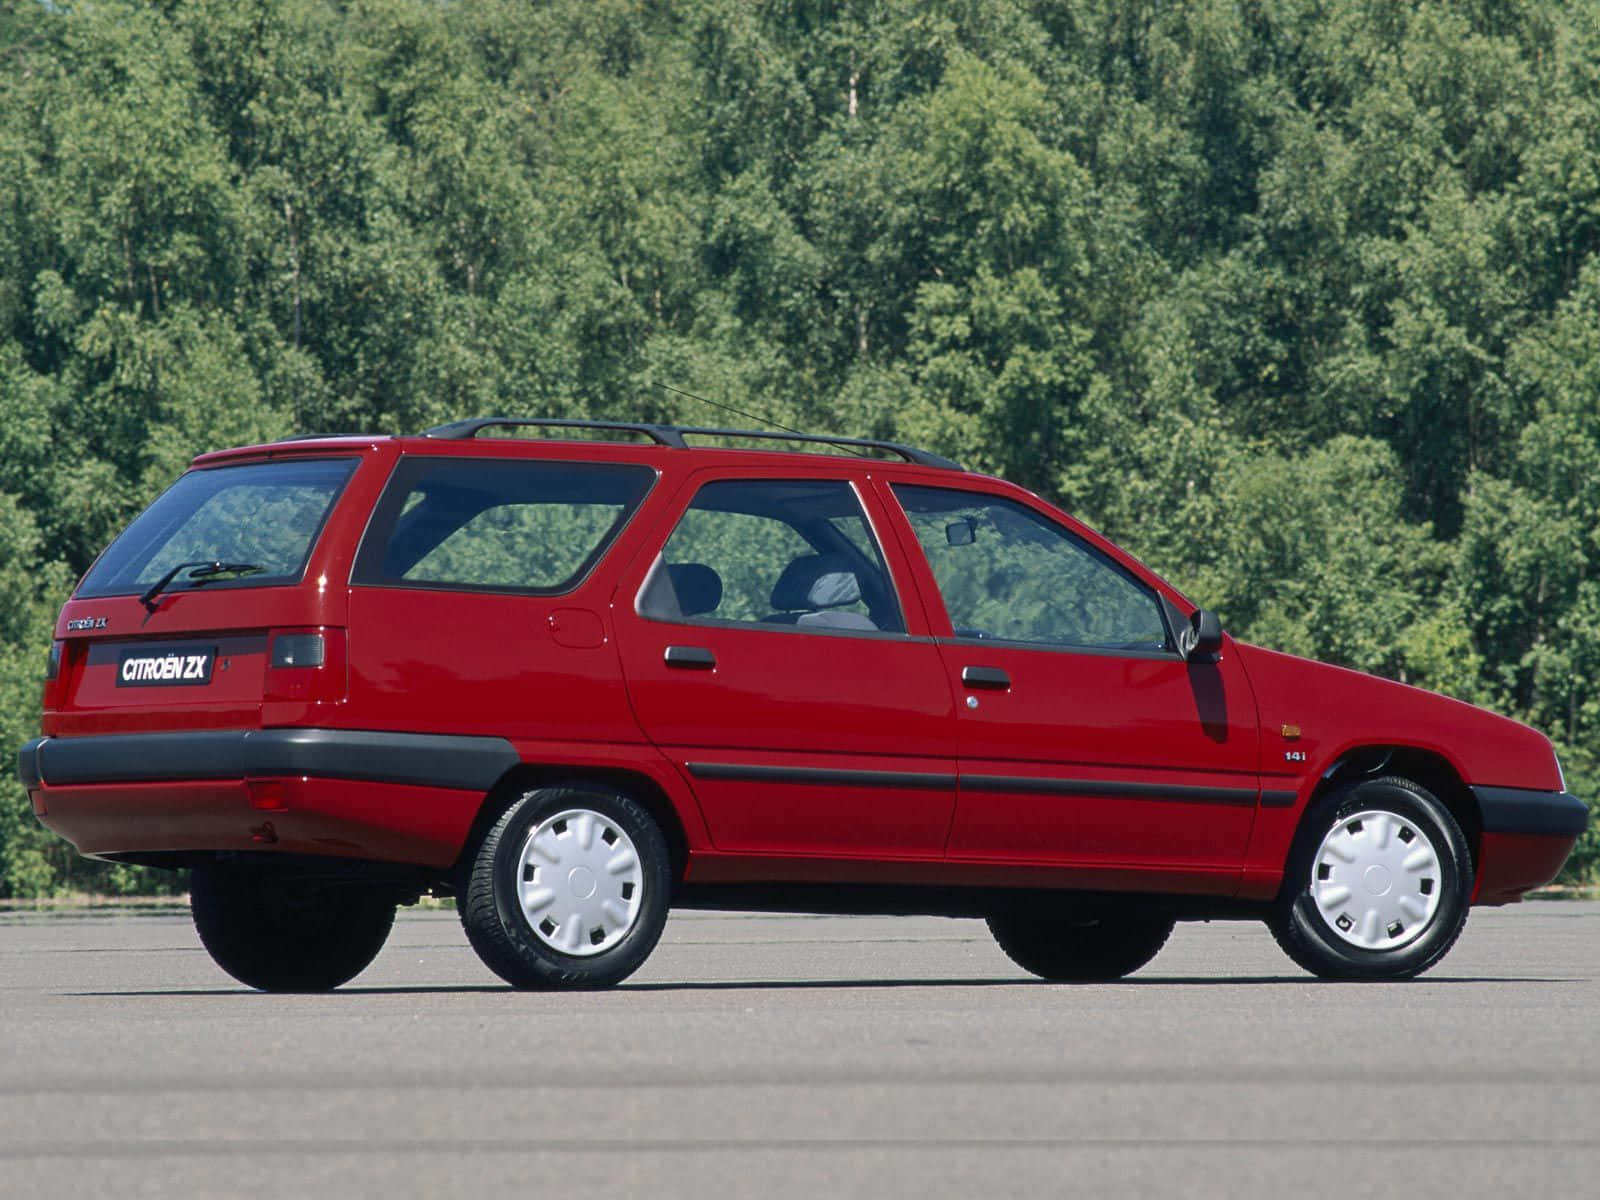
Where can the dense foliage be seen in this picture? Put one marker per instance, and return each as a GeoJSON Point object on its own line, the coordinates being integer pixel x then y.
{"type": "Point", "coordinates": [1298, 299]}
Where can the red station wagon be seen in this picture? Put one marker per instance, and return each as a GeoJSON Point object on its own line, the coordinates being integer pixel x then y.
{"type": "Point", "coordinates": [574, 682]}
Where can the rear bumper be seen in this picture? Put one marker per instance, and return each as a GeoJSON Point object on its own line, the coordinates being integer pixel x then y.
{"type": "Point", "coordinates": [344, 818]}
{"type": "Point", "coordinates": [1527, 837]}
{"type": "Point", "coordinates": [408, 798]}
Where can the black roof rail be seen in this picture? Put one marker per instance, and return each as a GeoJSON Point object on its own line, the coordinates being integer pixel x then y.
{"type": "Point", "coordinates": [312, 437]}
{"type": "Point", "coordinates": [673, 435]}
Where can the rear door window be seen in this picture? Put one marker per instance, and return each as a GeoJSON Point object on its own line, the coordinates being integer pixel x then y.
{"type": "Point", "coordinates": [497, 525]}
{"type": "Point", "coordinates": [264, 515]}
{"type": "Point", "coordinates": [775, 553]}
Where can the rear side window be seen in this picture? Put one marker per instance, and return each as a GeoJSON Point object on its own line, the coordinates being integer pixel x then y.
{"type": "Point", "coordinates": [497, 525]}
{"type": "Point", "coordinates": [267, 515]}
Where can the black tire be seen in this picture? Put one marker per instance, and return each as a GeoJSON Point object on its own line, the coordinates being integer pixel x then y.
{"type": "Point", "coordinates": [506, 937]}
{"type": "Point", "coordinates": [1082, 949]}
{"type": "Point", "coordinates": [279, 933]}
{"type": "Point", "coordinates": [1314, 940]}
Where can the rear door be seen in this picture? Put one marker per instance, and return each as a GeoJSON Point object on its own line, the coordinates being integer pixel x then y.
{"type": "Point", "coordinates": [771, 656]}
{"type": "Point", "coordinates": [475, 606]}
{"type": "Point", "coordinates": [1086, 740]}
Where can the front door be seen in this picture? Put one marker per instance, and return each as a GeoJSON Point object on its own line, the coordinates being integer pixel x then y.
{"type": "Point", "coordinates": [1085, 738]}
{"type": "Point", "coordinates": [769, 655]}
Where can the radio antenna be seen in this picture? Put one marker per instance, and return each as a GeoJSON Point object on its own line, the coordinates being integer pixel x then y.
{"type": "Point", "coordinates": [738, 412]}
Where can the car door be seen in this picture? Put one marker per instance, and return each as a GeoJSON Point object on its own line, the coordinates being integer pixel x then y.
{"type": "Point", "coordinates": [1085, 739]}
{"type": "Point", "coordinates": [768, 653]}
{"type": "Point", "coordinates": [471, 568]}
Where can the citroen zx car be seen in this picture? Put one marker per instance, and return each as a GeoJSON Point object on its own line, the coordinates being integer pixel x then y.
{"type": "Point", "coordinates": [576, 678]}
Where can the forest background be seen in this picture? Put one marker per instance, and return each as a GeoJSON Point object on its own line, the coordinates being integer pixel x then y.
{"type": "Point", "coordinates": [1299, 300]}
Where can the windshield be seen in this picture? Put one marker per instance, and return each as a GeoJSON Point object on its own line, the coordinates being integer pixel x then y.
{"type": "Point", "coordinates": [265, 514]}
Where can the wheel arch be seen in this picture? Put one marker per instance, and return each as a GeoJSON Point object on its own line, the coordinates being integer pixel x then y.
{"type": "Point", "coordinates": [520, 780]}
{"type": "Point", "coordinates": [1427, 768]}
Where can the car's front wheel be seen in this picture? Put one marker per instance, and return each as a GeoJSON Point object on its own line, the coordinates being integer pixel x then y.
{"type": "Point", "coordinates": [282, 933]}
{"type": "Point", "coordinates": [568, 889]}
{"type": "Point", "coordinates": [1377, 884]}
{"type": "Point", "coordinates": [1081, 949]}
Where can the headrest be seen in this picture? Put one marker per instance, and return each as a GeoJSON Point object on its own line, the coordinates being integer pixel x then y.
{"type": "Point", "coordinates": [815, 581]}
{"type": "Point", "coordinates": [699, 588]}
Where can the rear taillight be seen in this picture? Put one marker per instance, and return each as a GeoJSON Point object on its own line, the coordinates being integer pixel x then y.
{"type": "Point", "coordinates": [305, 664]}
{"type": "Point", "coordinates": [299, 650]}
{"type": "Point", "coordinates": [55, 672]}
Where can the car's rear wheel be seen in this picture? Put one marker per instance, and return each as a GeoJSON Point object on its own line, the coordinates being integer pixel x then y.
{"type": "Point", "coordinates": [568, 889]}
{"type": "Point", "coordinates": [281, 933]}
{"type": "Point", "coordinates": [1378, 883]}
{"type": "Point", "coordinates": [1081, 949]}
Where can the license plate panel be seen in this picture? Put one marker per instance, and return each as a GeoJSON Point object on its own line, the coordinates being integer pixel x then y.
{"type": "Point", "coordinates": [166, 666]}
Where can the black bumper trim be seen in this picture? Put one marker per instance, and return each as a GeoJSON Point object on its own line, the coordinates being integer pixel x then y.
{"type": "Point", "coordinates": [428, 760]}
{"type": "Point", "coordinates": [28, 763]}
{"type": "Point", "coordinates": [1517, 810]}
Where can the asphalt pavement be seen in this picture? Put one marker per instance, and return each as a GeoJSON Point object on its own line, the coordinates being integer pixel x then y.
{"type": "Point", "coordinates": [801, 1057]}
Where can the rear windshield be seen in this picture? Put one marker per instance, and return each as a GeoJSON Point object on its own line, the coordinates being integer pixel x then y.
{"type": "Point", "coordinates": [265, 515]}
{"type": "Point", "coordinates": [497, 525]}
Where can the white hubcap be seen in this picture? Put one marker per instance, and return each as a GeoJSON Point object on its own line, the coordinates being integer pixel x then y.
{"type": "Point", "coordinates": [1376, 880]}
{"type": "Point", "coordinates": [579, 882]}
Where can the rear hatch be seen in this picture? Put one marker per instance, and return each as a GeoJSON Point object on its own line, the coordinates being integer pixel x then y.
{"type": "Point", "coordinates": [217, 607]}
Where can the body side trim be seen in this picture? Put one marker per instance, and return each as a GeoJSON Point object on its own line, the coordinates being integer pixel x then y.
{"type": "Point", "coordinates": [825, 776]}
{"type": "Point", "coordinates": [1244, 796]}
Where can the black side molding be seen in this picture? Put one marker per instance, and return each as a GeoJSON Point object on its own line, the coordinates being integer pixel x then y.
{"type": "Point", "coordinates": [821, 776]}
{"type": "Point", "coordinates": [1517, 810]}
{"type": "Point", "coordinates": [1029, 785]}
{"type": "Point", "coordinates": [427, 760]}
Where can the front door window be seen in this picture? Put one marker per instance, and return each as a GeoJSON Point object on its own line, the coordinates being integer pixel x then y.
{"type": "Point", "coordinates": [1008, 574]}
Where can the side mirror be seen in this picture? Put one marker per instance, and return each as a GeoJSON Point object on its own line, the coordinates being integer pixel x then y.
{"type": "Point", "coordinates": [961, 533]}
{"type": "Point", "coordinates": [1202, 640]}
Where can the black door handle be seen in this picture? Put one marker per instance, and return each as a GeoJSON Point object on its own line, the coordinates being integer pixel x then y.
{"type": "Point", "coordinates": [691, 658]}
{"type": "Point", "coordinates": [985, 677]}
